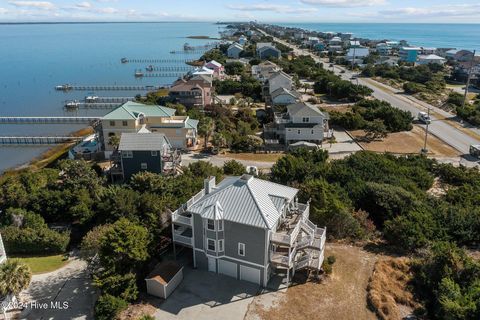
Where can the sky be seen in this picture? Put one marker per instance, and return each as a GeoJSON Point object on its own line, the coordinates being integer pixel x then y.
{"type": "Point", "coordinates": [395, 11]}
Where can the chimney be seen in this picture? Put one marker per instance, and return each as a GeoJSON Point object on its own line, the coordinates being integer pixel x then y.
{"type": "Point", "coordinates": [209, 184]}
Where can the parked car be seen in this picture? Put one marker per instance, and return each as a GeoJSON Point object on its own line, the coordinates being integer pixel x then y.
{"type": "Point", "coordinates": [424, 117]}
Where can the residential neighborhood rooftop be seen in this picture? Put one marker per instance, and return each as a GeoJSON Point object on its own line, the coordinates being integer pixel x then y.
{"type": "Point", "coordinates": [142, 141]}
{"type": "Point", "coordinates": [132, 110]}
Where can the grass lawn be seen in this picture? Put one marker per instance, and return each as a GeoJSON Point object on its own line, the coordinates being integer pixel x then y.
{"type": "Point", "coordinates": [44, 264]}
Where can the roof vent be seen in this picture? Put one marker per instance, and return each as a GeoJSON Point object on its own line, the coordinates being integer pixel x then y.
{"type": "Point", "coordinates": [246, 177]}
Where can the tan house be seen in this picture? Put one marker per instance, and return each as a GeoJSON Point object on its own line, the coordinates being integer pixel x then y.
{"type": "Point", "coordinates": [193, 92]}
{"type": "Point", "coordinates": [134, 117]}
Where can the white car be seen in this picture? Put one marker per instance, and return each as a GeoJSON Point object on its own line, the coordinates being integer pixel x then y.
{"type": "Point", "coordinates": [424, 117]}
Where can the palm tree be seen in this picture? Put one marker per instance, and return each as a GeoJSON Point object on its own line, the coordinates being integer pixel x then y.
{"type": "Point", "coordinates": [206, 128]}
{"type": "Point", "coordinates": [14, 277]}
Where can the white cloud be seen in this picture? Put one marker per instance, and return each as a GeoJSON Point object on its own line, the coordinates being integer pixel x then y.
{"type": "Point", "coordinates": [460, 10]}
{"type": "Point", "coordinates": [3, 11]}
{"type": "Point", "coordinates": [84, 5]}
{"type": "Point", "coordinates": [105, 10]}
{"type": "Point", "coordinates": [44, 5]}
{"type": "Point", "coordinates": [277, 8]}
{"type": "Point", "coordinates": [344, 3]}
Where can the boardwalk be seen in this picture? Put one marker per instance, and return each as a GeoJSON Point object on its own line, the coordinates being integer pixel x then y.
{"type": "Point", "coordinates": [48, 120]}
{"type": "Point", "coordinates": [125, 60]}
{"type": "Point", "coordinates": [15, 141]}
{"type": "Point", "coordinates": [107, 88]}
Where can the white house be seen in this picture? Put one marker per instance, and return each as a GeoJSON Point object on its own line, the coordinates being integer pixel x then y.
{"type": "Point", "coordinates": [264, 70]}
{"type": "Point", "coordinates": [284, 97]}
{"type": "Point", "coordinates": [277, 80]}
{"type": "Point", "coordinates": [301, 122]}
{"type": "Point", "coordinates": [431, 58]}
{"type": "Point", "coordinates": [357, 53]}
{"type": "Point", "coordinates": [234, 50]}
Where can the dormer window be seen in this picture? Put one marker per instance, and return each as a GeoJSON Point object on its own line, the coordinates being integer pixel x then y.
{"type": "Point", "coordinates": [305, 119]}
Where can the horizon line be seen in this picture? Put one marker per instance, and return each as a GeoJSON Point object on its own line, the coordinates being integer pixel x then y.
{"type": "Point", "coordinates": [225, 22]}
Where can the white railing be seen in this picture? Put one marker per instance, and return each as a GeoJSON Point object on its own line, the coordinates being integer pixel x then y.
{"type": "Point", "coordinates": [178, 218]}
{"type": "Point", "coordinates": [311, 224]}
{"type": "Point", "coordinates": [303, 262]}
{"type": "Point", "coordinates": [280, 259]}
{"type": "Point", "coordinates": [282, 238]}
{"type": "Point", "coordinates": [182, 239]}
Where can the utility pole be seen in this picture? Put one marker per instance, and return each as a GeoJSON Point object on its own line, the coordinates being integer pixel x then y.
{"type": "Point", "coordinates": [425, 150]}
{"type": "Point", "coordinates": [469, 76]}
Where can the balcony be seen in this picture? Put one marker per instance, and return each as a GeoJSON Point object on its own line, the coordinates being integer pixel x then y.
{"type": "Point", "coordinates": [290, 228]}
{"type": "Point", "coordinates": [183, 235]}
{"type": "Point", "coordinates": [181, 217]}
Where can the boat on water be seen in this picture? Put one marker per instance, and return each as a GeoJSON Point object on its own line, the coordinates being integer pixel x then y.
{"type": "Point", "coordinates": [91, 99]}
{"type": "Point", "coordinates": [124, 60]}
{"type": "Point", "coordinates": [138, 74]}
{"type": "Point", "coordinates": [64, 87]}
{"type": "Point", "coordinates": [150, 68]}
{"type": "Point", "coordinates": [74, 104]}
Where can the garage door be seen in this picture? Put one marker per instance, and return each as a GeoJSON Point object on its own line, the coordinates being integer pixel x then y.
{"type": "Point", "coordinates": [250, 274]}
{"type": "Point", "coordinates": [227, 268]}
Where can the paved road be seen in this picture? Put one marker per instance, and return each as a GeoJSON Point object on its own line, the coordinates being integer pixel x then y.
{"type": "Point", "coordinates": [459, 139]}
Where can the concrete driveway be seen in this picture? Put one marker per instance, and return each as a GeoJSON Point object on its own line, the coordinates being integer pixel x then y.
{"type": "Point", "coordinates": [204, 295]}
{"type": "Point", "coordinates": [66, 293]}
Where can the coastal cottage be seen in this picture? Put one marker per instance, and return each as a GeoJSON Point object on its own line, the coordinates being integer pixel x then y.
{"type": "Point", "coordinates": [430, 59]}
{"type": "Point", "coordinates": [133, 117]}
{"type": "Point", "coordinates": [409, 54]}
{"type": "Point", "coordinates": [357, 54]}
{"type": "Point", "coordinates": [267, 50]}
{"type": "Point", "coordinates": [249, 229]}
{"type": "Point", "coordinates": [301, 122]}
{"type": "Point", "coordinates": [195, 92]}
{"type": "Point", "coordinates": [284, 97]}
{"type": "Point", "coordinates": [264, 70]}
{"type": "Point", "coordinates": [234, 51]}
{"type": "Point", "coordinates": [277, 80]}
{"type": "Point", "coordinates": [383, 49]}
{"type": "Point", "coordinates": [242, 40]}
{"type": "Point", "coordinates": [144, 152]}
{"type": "Point", "coordinates": [218, 69]}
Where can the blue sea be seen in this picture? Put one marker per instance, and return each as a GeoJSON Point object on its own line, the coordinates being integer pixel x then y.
{"type": "Point", "coordinates": [34, 58]}
{"type": "Point", "coordinates": [460, 36]}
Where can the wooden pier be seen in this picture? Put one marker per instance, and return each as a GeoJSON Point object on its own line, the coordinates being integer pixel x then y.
{"type": "Point", "coordinates": [125, 60]}
{"type": "Point", "coordinates": [49, 120]}
{"type": "Point", "coordinates": [159, 75]}
{"type": "Point", "coordinates": [169, 69]}
{"type": "Point", "coordinates": [95, 99]}
{"type": "Point", "coordinates": [16, 141]}
{"type": "Point", "coordinates": [74, 105]}
{"type": "Point", "coordinates": [107, 88]}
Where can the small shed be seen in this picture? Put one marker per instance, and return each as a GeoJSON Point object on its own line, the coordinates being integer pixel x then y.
{"type": "Point", "coordinates": [164, 278]}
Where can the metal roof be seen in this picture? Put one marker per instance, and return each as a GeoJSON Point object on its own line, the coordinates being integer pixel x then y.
{"type": "Point", "coordinates": [143, 142]}
{"type": "Point", "coordinates": [303, 109]}
{"type": "Point", "coordinates": [246, 200]}
{"type": "Point", "coordinates": [132, 110]}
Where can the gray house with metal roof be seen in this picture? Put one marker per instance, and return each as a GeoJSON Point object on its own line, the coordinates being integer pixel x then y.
{"type": "Point", "coordinates": [301, 122]}
{"type": "Point", "coordinates": [145, 152]}
{"type": "Point", "coordinates": [248, 228]}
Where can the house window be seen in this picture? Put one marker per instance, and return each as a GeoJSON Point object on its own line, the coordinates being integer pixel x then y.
{"type": "Point", "coordinates": [127, 154]}
{"type": "Point", "coordinates": [211, 244]}
{"type": "Point", "coordinates": [210, 224]}
{"type": "Point", "coordinates": [306, 119]}
{"type": "Point", "coordinates": [299, 131]}
{"type": "Point", "coordinates": [154, 153]}
{"type": "Point", "coordinates": [312, 132]}
{"type": "Point", "coordinates": [241, 249]}
{"type": "Point", "coordinates": [125, 123]}
{"type": "Point", "coordinates": [143, 166]}
{"type": "Point", "coordinates": [220, 245]}
{"type": "Point", "coordinates": [112, 123]}
{"type": "Point", "coordinates": [220, 225]}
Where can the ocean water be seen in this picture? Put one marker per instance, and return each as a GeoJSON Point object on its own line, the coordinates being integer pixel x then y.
{"type": "Point", "coordinates": [460, 36]}
{"type": "Point", "coordinates": [34, 58]}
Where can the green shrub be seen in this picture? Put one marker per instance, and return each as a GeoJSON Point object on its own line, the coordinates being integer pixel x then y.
{"type": "Point", "coordinates": [233, 167]}
{"type": "Point", "coordinates": [34, 241]}
{"type": "Point", "coordinates": [122, 286]}
{"type": "Point", "coordinates": [108, 307]}
{"type": "Point", "coordinates": [328, 263]}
